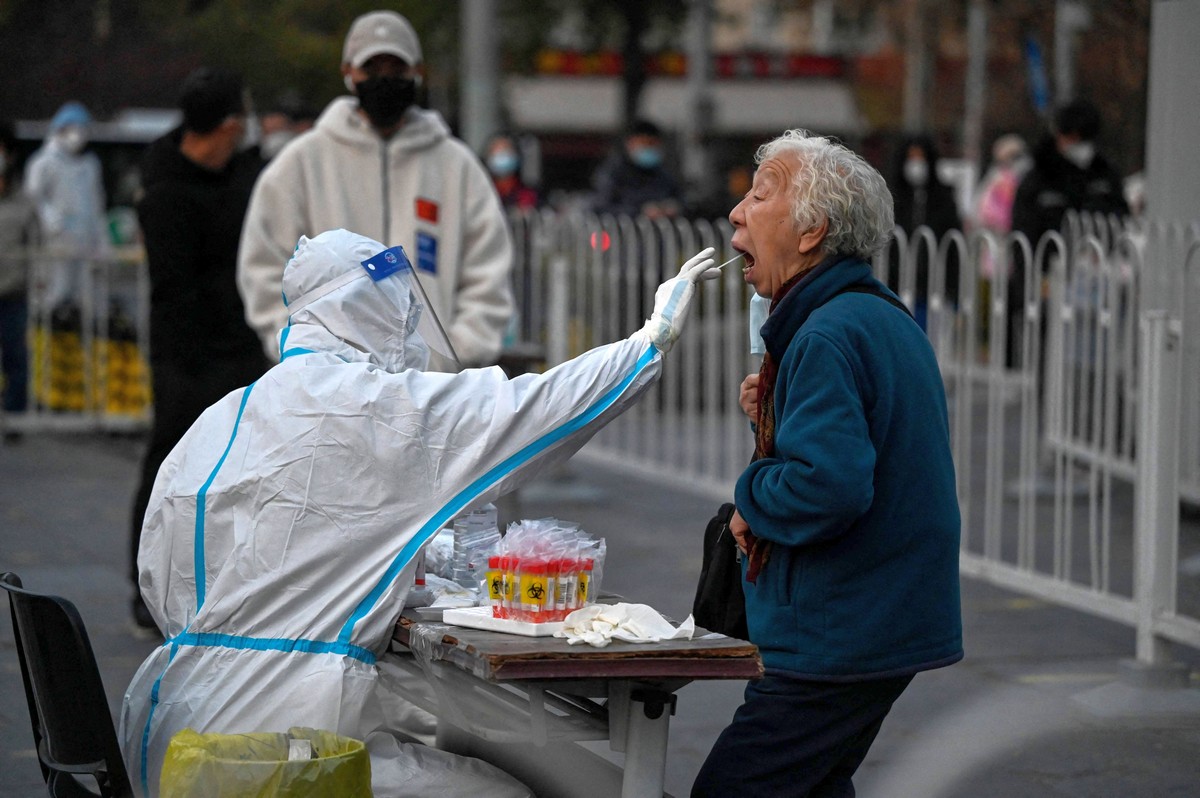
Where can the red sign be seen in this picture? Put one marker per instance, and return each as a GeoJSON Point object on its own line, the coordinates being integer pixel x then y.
{"type": "Point", "coordinates": [674, 64]}
{"type": "Point", "coordinates": [427, 210]}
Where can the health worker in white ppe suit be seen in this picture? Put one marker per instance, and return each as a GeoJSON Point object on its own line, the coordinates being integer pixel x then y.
{"type": "Point", "coordinates": [279, 541]}
{"type": "Point", "coordinates": [64, 181]}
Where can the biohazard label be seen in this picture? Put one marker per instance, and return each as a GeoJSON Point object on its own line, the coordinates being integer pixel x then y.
{"type": "Point", "coordinates": [533, 590]}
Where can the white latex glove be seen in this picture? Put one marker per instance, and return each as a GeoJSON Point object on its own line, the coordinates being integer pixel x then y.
{"type": "Point", "coordinates": [599, 624]}
{"type": "Point", "coordinates": [673, 298]}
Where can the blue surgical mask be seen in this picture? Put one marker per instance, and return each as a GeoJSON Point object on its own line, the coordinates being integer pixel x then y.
{"type": "Point", "coordinates": [502, 164]}
{"type": "Point", "coordinates": [646, 157]}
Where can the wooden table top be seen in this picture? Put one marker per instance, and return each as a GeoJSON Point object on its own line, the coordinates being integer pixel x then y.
{"type": "Point", "coordinates": [497, 657]}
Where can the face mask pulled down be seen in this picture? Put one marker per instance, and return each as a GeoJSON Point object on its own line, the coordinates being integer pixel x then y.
{"type": "Point", "coordinates": [385, 98]}
{"type": "Point", "coordinates": [760, 308]}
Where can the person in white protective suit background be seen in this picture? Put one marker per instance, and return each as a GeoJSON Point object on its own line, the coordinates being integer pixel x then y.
{"type": "Point", "coordinates": [64, 181]}
{"type": "Point", "coordinates": [279, 541]}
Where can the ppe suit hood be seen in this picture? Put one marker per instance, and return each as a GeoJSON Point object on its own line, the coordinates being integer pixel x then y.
{"type": "Point", "coordinates": [365, 317]}
{"type": "Point", "coordinates": [71, 113]}
{"type": "Point", "coordinates": [421, 129]}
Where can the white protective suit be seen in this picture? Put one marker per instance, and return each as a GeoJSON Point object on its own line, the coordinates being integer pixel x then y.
{"type": "Point", "coordinates": [68, 191]}
{"type": "Point", "coordinates": [279, 540]}
{"type": "Point", "coordinates": [422, 189]}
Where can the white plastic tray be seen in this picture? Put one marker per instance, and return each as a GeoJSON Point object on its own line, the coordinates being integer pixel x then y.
{"type": "Point", "coordinates": [481, 618]}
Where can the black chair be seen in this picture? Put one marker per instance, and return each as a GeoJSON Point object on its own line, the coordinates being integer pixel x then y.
{"type": "Point", "coordinates": [72, 727]}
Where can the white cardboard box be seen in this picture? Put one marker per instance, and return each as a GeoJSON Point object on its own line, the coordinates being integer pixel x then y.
{"type": "Point", "coordinates": [481, 618]}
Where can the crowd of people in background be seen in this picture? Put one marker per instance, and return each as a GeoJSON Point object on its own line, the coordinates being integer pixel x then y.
{"type": "Point", "coordinates": [639, 175]}
{"type": "Point", "coordinates": [636, 178]}
{"type": "Point", "coordinates": [223, 200]}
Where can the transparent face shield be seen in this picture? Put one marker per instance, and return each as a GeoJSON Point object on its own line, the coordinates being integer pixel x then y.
{"type": "Point", "coordinates": [393, 276]}
{"type": "Point", "coordinates": [398, 274]}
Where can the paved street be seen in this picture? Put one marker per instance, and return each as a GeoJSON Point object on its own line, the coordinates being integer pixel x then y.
{"type": "Point", "coordinates": [1036, 709]}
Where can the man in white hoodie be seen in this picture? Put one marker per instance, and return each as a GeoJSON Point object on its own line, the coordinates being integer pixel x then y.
{"type": "Point", "coordinates": [377, 164]}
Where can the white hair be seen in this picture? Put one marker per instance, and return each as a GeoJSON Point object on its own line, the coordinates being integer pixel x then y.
{"type": "Point", "coordinates": [835, 184]}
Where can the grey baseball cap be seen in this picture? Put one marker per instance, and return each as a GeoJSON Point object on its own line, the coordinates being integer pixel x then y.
{"type": "Point", "coordinates": [381, 32]}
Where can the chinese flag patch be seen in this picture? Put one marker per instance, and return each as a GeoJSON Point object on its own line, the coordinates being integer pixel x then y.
{"type": "Point", "coordinates": [427, 210]}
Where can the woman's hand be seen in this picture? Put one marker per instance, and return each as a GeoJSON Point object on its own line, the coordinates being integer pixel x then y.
{"type": "Point", "coordinates": [738, 527]}
{"type": "Point", "coordinates": [748, 396]}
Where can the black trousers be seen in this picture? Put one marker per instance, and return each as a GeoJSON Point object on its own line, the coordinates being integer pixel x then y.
{"type": "Point", "coordinates": [797, 738]}
{"type": "Point", "coordinates": [180, 396]}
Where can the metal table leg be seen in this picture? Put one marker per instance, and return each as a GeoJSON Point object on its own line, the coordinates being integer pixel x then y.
{"type": "Point", "coordinates": [648, 724]}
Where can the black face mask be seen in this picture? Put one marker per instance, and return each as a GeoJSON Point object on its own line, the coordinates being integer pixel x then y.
{"type": "Point", "coordinates": [384, 99]}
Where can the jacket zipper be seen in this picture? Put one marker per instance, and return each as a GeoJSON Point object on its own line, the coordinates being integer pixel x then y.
{"type": "Point", "coordinates": [387, 214]}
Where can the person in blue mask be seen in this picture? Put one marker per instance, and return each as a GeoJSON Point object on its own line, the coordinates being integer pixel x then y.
{"type": "Point", "coordinates": [502, 156]}
{"type": "Point", "coordinates": [634, 180]}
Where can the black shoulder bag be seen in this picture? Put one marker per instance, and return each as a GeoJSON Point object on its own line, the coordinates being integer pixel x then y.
{"type": "Point", "coordinates": [720, 605]}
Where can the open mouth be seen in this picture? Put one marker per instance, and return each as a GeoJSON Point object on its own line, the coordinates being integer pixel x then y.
{"type": "Point", "coordinates": [747, 259]}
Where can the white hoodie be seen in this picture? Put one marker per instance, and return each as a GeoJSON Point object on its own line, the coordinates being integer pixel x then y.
{"type": "Point", "coordinates": [422, 189]}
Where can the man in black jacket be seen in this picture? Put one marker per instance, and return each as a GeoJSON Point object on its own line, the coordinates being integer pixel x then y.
{"type": "Point", "coordinates": [197, 185]}
{"type": "Point", "coordinates": [1068, 174]}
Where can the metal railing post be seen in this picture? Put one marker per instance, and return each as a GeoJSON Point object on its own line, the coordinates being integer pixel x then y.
{"type": "Point", "coordinates": [558, 311]}
{"type": "Point", "coordinates": [1156, 491]}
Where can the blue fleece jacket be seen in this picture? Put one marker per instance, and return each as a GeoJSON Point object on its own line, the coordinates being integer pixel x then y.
{"type": "Point", "coordinates": [859, 499]}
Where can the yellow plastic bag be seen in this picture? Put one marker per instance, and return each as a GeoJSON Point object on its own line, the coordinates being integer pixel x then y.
{"type": "Point", "coordinates": [256, 765]}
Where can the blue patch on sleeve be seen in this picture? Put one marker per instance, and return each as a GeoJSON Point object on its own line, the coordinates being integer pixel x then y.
{"type": "Point", "coordinates": [386, 263]}
{"type": "Point", "coordinates": [427, 247]}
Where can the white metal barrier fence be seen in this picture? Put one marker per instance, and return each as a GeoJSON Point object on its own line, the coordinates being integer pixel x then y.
{"type": "Point", "coordinates": [1070, 512]}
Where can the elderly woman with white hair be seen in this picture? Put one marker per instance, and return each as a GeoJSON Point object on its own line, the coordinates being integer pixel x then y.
{"type": "Point", "coordinates": [848, 514]}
